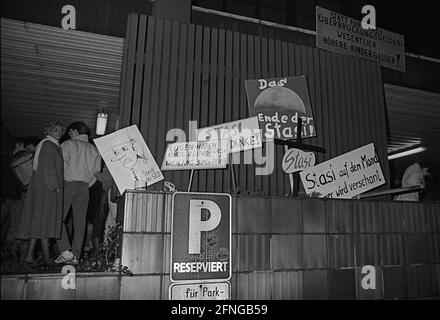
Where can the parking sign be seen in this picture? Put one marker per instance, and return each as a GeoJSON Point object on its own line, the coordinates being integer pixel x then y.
{"type": "Point", "coordinates": [201, 237]}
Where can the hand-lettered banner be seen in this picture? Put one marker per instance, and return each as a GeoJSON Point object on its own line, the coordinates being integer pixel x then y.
{"type": "Point", "coordinates": [278, 104]}
{"type": "Point", "coordinates": [341, 34]}
{"type": "Point", "coordinates": [242, 135]}
{"type": "Point", "coordinates": [346, 176]}
{"type": "Point", "coordinates": [196, 155]}
{"type": "Point", "coordinates": [296, 160]}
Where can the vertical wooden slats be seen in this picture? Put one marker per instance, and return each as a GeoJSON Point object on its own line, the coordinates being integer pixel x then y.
{"type": "Point", "coordinates": [172, 93]}
{"type": "Point", "coordinates": [212, 107]}
{"type": "Point", "coordinates": [139, 69]}
{"type": "Point", "coordinates": [175, 72]}
{"type": "Point", "coordinates": [128, 70]}
{"type": "Point", "coordinates": [146, 89]}
{"type": "Point", "coordinates": [228, 95]}
{"type": "Point", "coordinates": [243, 110]}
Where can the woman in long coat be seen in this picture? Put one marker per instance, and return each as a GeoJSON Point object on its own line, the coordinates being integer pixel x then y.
{"type": "Point", "coordinates": [43, 205]}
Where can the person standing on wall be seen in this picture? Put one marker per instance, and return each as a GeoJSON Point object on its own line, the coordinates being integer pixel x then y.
{"type": "Point", "coordinates": [413, 176]}
{"type": "Point", "coordinates": [81, 162]}
{"type": "Point", "coordinates": [43, 203]}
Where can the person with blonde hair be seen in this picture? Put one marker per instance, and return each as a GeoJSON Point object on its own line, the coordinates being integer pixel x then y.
{"type": "Point", "coordinates": [43, 205]}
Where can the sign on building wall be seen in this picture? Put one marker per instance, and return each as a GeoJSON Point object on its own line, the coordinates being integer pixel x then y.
{"type": "Point", "coordinates": [296, 160]}
{"type": "Point", "coordinates": [278, 103]}
{"type": "Point", "coordinates": [201, 237]}
{"type": "Point", "coordinates": [196, 155]}
{"type": "Point", "coordinates": [242, 135]}
{"type": "Point", "coordinates": [346, 176]}
{"type": "Point", "coordinates": [200, 291]}
{"type": "Point", "coordinates": [128, 158]}
{"type": "Point", "coordinates": [341, 34]}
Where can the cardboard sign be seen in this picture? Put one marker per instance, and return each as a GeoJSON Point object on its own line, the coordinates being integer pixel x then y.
{"type": "Point", "coordinates": [128, 158]}
{"type": "Point", "coordinates": [346, 176]}
{"type": "Point", "coordinates": [278, 103]}
{"type": "Point", "coordinates": [200, 291]}
{"type": "Point", "coordinates": [242, 135]}
{"type": "Point", "coordinates": [196, 155]}
{"type": "Point", "coordinates": [201, 237]}
{"type": "Point", "coordinates": [341, 34]}
{"type": "Point", "coordinates": [297, 160]}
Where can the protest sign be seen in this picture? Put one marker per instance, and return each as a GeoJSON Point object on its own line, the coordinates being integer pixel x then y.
{"type": "Point", "coordinates": [196, 155]}
{"type": "Point", "coordinates": [128, 159]}
{"type": "Point", "coordinates": [346, 176]}
{"type": "Point", "coordinates": [242, 135]}
{"type": "Point", "coordinates": [296, 160]}
{"type": "Point", "coordinates": [341, 34]}
{"type": "Point", "coordinates": [278, 103]}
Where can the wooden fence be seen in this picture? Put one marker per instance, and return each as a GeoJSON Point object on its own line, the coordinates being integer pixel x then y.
{"type": "Point", "coordinates": [176, 72]}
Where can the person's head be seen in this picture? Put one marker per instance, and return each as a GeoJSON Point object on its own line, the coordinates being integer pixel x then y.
{"type": "Point", "coordinates": [55, 129]}
{"type": "Point", "coordinates": [430, 172]}
{"type": "Point", "coordinates": [78, 128]}
{"type": "Point", "coordinates": [30, 143]}
{"type": "Point", "coordinates": [18, 145]}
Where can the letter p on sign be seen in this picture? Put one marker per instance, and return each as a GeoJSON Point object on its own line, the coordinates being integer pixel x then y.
{"type": "Point", "coordinates": [201, 237]}
{"type": "Point", "coordinates": [196, 225]}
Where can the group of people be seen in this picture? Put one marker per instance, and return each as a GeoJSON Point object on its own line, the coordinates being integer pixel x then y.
{"type": "Point", "coordinates": [67, 177]}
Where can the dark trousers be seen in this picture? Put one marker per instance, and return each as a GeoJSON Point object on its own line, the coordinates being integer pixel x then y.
{"type": "Point", "coordinates": [76, 194]}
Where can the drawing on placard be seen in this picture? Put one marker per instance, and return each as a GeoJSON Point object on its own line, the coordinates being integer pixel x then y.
{"type": "Point", "coordinates": [128, 158]}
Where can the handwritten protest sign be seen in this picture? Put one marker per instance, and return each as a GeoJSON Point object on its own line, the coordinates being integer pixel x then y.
{"type": "Point", "coordinates": [297, 160]}
{"type": "Point", "coordinates": [128, 159]}
{"type": "Point", "coordinates": [242, 135]}
{"type": "Point", "coordinates": [196, 155]}
{"type": "Point", "coordinates": [346, 176]}
{"type": "Point", "coordinates": [341, 34]}
{"type": "Point", "coordinates": [278, 103]}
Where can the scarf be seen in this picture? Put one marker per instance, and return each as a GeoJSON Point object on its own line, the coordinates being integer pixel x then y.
{"type": "Point", "coordinates": [38, 149]}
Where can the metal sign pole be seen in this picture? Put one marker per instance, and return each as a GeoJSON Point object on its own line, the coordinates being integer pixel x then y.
{"type": "Point", "coordinates": [190, 180]}
{"type": "Point", "coordinates": [286, 149]}
{"type": "Point", "coordinates": [299, 140]}
{"type": "Point", "coordinates": [231, 166]}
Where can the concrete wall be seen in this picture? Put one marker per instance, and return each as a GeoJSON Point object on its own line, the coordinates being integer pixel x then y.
{"type": "Point", "coordinates": [282, 249]}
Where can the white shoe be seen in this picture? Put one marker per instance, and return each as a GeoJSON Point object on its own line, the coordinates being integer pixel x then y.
{"type": "Point", "coordinates": [74, 261]}
{"type": "Point", "coordinates": [64, 257]}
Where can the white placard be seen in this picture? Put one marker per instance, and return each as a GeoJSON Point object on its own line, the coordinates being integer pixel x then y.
{"type": "Point", "coordinates": [295, 160]}
{"type": "Point", "coordinates": [201, 291]}
{"type": "Point", "coordinates": [128, 158]}
{"type": "Point", "coordinates": [346, 176]}
{"type": "Point", "coordinates": [196, 155]}
{"type": "Point", "coordinates": [242, 135]}
{"type": "Point", "coordinates": [338, 33]}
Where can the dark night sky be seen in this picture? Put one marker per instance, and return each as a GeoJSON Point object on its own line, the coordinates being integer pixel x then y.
{"type": "Point", "coordinates": [417, 20]}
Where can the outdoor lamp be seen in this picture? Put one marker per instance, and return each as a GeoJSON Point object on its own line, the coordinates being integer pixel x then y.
{"type": "Point", "coordinates": [101, 123]}
{"type": "Point", "coordinates": [406, 153]}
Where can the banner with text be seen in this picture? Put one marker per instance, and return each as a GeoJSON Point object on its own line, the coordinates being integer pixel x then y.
{"type": "Point", "coordinates": [242, 135]}
{"type": "Point", "coordinates": [196, 155]}
{"type": "Point", "coordinates": [278, 103]}
{"type": "Point", "coordinates": [346, 176]}
{"type": "Point", "coordinates": [341, 34]}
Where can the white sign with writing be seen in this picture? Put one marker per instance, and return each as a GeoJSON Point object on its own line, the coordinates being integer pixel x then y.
{"type": "Point", "coordinates": [128, 158]}
{"type": "Point", "coordinates": [196, 155]}
{"type": "Point", "coordinates": [242, 134]}
{"type": "Point", "coordinates": [346, 176]}
{"type": "Point", "coordinates": [338, 33]}
{"type": "Point", "coordinates": [201, 291]}
{"type": "Point", "coordinates": [297, 160]}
